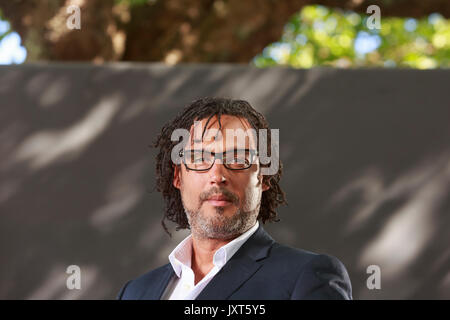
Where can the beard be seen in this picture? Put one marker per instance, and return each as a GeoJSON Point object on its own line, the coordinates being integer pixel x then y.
{"type": "Point", "coordinates": [218, 225]}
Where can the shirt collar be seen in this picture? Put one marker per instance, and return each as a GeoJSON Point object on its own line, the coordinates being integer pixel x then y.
{"type": "Point", "coordinates": [181, 256]}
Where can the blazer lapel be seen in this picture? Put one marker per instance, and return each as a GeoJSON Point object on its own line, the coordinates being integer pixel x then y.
{"type": "Point", "coordinates": [155, 292]}
{"type": "Point", "coordinates": [244, 263]}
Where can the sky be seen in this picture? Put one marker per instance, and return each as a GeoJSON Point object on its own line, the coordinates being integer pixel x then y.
{"type": "Point", "coordinates": [10, 49]}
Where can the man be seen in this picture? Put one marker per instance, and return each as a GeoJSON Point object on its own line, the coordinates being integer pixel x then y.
{"type": "Point", "coordinates": [215, 186]}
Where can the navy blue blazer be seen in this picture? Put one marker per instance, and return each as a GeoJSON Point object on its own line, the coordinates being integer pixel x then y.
{"type": "Point", "coordinates": [261, 269]}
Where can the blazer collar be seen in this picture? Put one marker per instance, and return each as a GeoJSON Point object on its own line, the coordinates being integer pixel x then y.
{"type": "Point", "coordinates": [242, 265]}
{"type": "Point", "coordinates": [155, 292]}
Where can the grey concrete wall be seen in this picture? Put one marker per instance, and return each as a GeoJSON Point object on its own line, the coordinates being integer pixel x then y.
{"type": "Point", "coordinates": [366, 156]}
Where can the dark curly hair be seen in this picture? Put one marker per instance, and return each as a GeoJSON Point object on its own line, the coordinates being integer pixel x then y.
{"type": "Point", "coordinates": [198, 110]}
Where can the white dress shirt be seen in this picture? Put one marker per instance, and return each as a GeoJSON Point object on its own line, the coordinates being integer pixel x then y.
{"type": "Point", "coordinates": [182, 286]}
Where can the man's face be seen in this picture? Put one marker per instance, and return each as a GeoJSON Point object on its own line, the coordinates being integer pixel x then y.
{"type": "Point", "coordinates": [220, 203]}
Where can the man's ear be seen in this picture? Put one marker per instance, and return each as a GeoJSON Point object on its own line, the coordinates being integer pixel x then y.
{"type": "Point", "coordinates": [177, 177]}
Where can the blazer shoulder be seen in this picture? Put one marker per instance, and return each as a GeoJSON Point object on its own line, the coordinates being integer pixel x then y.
{"type": "Point", "coordinates": [284, 253]}
{"type": "Point", "coordinates": [318, 275]}
{"type": "Point", "coordinates": [304, 257]}
{"type": "Point", "coordinates": [136, 288]}
{"type": "Point", "coordinates": [324, 277]}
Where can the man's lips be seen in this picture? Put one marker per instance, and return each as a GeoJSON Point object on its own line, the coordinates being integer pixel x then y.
{"type": "Point", "coordinates": [219, 201]}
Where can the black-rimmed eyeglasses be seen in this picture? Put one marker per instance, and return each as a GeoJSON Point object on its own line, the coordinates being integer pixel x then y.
{"type": "Point", "coordinates": [203, 160]}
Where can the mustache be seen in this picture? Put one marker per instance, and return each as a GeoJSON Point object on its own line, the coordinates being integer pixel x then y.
{"type": "Point", "coordinates": [230, 196]}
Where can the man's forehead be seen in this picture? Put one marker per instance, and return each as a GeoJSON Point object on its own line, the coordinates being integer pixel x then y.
{"type": "Point", "coordinates": [232, 131]}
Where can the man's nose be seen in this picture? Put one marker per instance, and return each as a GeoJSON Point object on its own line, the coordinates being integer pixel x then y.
{"type": "Point", "coordinates": [218, 173]}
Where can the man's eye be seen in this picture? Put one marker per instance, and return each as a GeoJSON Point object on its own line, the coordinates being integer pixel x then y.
{"type": "Point", "coordinates": [239, 160]}
{"type": "Point", "coordinates": [196, 157]}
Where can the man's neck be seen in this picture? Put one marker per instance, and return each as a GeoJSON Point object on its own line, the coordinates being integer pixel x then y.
{"type": "Point", "coordinates": [203, 250]}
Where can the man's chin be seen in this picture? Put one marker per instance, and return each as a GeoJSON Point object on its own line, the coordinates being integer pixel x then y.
{"type": "Point", "coordinates": [216, 228]}
{"type": "Point", "coordinates": [219, 234]}
{"type": "Point", "coordinates": [226, 212]}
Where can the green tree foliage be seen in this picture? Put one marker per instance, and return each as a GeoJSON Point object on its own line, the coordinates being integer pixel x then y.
{"type": "Point", "coordinates": [5, 28]}
{"type": "Point", "coordinates": [319, 36]}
